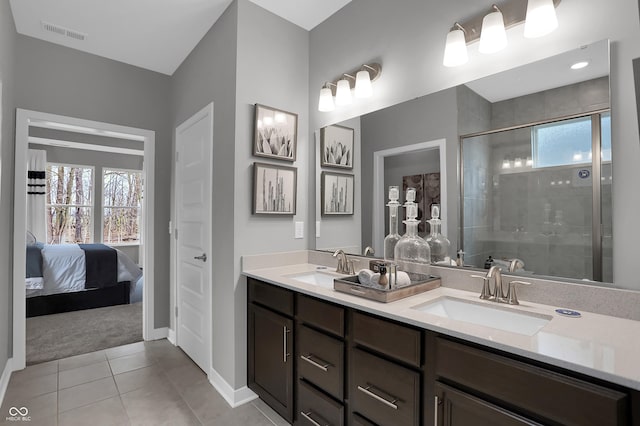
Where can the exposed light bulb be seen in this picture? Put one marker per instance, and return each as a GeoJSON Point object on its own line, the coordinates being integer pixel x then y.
{"type": "Point", "coordinates": [580, 65]}
{"type": "Point", "coordinates": [455, 49]}
{"type": "Point", "coordinates": [541, 18]}
{"type": "Point", "coordinates": [325, 103]}
{"type": "Point", "coordinates": [493, 37]}
{"type": "Point", "coordinates": [506, 164]}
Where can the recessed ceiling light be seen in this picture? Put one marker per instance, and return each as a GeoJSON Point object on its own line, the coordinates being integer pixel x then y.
{"type": "Point", "coordinates": [580, 65]}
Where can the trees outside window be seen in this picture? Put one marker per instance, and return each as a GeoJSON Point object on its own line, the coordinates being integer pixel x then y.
{"type": "Point", "coordinates": [69, 204]}
{"type": "Point", "coordinates": [122, 205]}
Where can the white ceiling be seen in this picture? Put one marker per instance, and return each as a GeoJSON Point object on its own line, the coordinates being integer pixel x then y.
{"type": "Point", "coordinates": [556, 70]}
{"type": "Point", "coordinates": [153, 34]}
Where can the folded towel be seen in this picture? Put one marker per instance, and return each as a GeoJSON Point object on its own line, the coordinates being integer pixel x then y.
{"type": "Point", "coordinates": [34, 283]}
{"type": "Point", "coordinates": [364, 276]}
{"type": "Point", "coordinates": [375, 278]}
{"type": "Point", "coordinates": [402, 279]}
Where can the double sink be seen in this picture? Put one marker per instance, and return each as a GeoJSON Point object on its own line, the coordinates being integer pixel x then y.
{"type": "Point", "coordinates": [488, 314]}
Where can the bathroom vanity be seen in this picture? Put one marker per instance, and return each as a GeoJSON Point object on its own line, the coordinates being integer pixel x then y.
{"type": "Point", "coordinates": [319, 357]}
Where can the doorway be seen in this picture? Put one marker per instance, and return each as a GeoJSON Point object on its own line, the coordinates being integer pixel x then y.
{"type": "Point", "coordinates": [24, 120]}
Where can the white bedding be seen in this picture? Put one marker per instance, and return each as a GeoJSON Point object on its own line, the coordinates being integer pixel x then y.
{"type": "Point", "coordinates": [64, 270]}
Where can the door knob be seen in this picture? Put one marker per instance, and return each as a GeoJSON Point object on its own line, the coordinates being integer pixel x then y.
{"type": "Point", "coordinates": [203, 257]}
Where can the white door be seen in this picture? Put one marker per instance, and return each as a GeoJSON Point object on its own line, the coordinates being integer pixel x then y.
{"type": "Point", "coordinates": [194, 140]}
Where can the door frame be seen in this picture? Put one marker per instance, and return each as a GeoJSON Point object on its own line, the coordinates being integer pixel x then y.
{"type": "Point", "coordinates": [23, 118]}
{"type": "Point", "coordinates": [204, 113]}
{"type": "Point", "coordinates": [379, 191]}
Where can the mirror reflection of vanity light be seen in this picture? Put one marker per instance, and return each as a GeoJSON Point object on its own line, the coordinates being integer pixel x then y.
{"type": "Point", "coordinates": [580, 65]}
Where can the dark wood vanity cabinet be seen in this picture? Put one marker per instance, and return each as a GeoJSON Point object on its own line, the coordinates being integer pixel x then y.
{"type": "Point", "coordinates": [270, 346]}
{"type": "Point", "coordinates": [469, 382]}
{"type": "Point", "coordinates": [319, 363]}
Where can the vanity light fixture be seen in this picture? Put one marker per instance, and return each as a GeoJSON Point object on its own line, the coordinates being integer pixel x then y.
{"type": "Point", "coordinates": [541, 18]}
{"type": "Point", "coordinates": [493, 37]}
{"type": "Point", "coordinates": [342, 86]}
{"type": "Point", "coordinates": [538, 16]}
{"type": "Point", "coordinates": [455, 49]}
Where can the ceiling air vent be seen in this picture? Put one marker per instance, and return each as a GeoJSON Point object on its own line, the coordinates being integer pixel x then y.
{"type": "Point", "coordinates": [57, 29]}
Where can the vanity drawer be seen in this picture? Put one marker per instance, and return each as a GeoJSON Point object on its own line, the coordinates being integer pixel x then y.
{"type": "Point", "coordinates": [271, 296]}
{"type": "Point", "coordinates": [382, 391]}
{"type": "Point", "coordinates": [320, 360]}
{"type": "Point", "coordinates": [395, 340]}
{"type": "Point", "coordinates": [313, 406]}
{"type": "Point", "coordinates": [553, 397]}
{"type": "Point", "coordinates": [357, 420]}
{"type": "Point", "coordinates": [323, 315]}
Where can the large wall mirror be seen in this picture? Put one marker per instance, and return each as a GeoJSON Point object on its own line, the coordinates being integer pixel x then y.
{"type": "Point", "coordinates": [543, 119]}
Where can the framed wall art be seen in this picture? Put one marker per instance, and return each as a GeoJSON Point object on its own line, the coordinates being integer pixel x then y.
{"type": "Point", "coordinates": [336, 146]}
{"type": "Point", "coordinates": [274, 189]}
{"type": "Point", "coordinates": [275, 133]}
{"type": "Point", "coordinates": [337, 193]}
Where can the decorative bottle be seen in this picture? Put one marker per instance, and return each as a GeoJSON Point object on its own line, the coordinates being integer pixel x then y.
{"type": "Point", "coordinates": [438, 243]}
{"type": "Point", "coordinates": [392, 239]}
{"type": "Point", "coordinates": [411, 249]}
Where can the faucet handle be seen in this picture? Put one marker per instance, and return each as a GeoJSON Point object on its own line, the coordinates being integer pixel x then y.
{"type": "Point", "coordinates": [349, 268]}
{"type": "Point", "coordinates": [486, 289]}
{"type": "Point", "coordinates": [512, 297]}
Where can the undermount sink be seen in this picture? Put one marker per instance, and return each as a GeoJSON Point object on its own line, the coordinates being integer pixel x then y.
{"type": "Point", "coordinates": [499, 317]}
{"type": "Point", "coordinates": [321, 279]}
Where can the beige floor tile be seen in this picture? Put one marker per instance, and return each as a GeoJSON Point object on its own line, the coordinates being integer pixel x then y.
{"type": "Point", "coordinates": [28, 388]}
{"type": "Point", "coordinates": [185, 375]}
{"type": "Point", "coordinates": [169, 357]}
{"type": "Point", "coordinates": [140, 378]}
{"type": "Point", "coordinates": [205, 401]}
{"type": "Point", "coordinates": [80, 375]}
{"type": "Point", "coordinates": [82, 360]}
{"type": "Point", "coordinates": [125, 350]}
{"type": "Point", "coordinates": [86, 393]}
{"type": "Point", "coordinates": [131, 362]}
{"type": "Point", "coordinates": [109, 412]}
{"type": "Point", "coordinates": [158, 406]}
{"type": "Point", "coordinates": [244, 415]}
{"type": "Point", "coordinates": [269, 413]}
{"type": "Point", "coordinates": [40, 408]}
{"type": "Point", "coordinates": [37, 370]}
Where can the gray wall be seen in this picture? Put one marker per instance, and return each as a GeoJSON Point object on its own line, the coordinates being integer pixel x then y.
{"type": "Point", "coordinates": [231, 67]}
{"type": "Point", "coordinates": [99, 160]}
{"type": "Point", "coordinates": [7, 52]}
{"type": "Point", "coordinates": [419, 120]}
{"type": "Point", "coordinates": [209, 75]}
{"type": "Point", "coordinates": [59, 80]}
{"type": "Point", "coordinates": [408, 38]}
{"type": "Point", "coordinates": [636, 75]}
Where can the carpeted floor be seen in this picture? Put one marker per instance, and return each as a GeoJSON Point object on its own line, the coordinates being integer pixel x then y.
{"type": "Point", "coordinates": [58, 336]}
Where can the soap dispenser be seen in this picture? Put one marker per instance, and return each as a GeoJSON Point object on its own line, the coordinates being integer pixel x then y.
{"type": "Point", "coordinates": [411, 249]}
{"type": "Point", "coordinates": [438, 243]}
{"type": "Point", "coordinates": [392, 239]}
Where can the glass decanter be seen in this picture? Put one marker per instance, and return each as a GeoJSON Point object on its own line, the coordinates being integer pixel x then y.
{"type": "Point", "coordinates": [392, 239]}
{"type": "Point", "coordinates": [438, 243]}
{"type": "Point", "coordinates": [411, 249]}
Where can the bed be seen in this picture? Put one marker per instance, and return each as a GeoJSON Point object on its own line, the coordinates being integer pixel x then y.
{"type": "Point", "coordinates": [71, 277]}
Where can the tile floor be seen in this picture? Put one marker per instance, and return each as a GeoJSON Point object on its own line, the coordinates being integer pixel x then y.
{"type": "Point", "coordinates": [146, 383]}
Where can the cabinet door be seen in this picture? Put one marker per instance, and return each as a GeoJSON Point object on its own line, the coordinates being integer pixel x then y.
{"type": "Point", "coordinates": [270, 349]}
{"type": "Point", "coordinates": [456, 408]}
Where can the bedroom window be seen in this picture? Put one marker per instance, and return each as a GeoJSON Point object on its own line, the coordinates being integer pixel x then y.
{"type": "Point", "coordinates": [69, 204]}
{"type": "Point", "coordinates": [122, 206]}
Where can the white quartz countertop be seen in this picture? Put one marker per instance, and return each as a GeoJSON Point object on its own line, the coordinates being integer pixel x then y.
{"type": "Point", "coordinates": [597, 345]}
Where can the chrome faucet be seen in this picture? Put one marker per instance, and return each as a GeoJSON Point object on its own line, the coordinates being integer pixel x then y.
{"type": "Point", "coordinates": [497, 294]}
{"type": "Point", "coordinates": [514, 264]}
{"type": "Point", "coordinates": [345, 266]}
{"type": "Point", "coordinates": [369, 251]}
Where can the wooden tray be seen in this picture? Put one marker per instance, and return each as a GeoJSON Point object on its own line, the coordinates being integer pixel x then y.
{"type": "Point", "coordinates": [419, 284]}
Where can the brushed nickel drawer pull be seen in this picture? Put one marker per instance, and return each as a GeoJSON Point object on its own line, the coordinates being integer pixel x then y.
{"type": "Point", "coordinates": [310, 419]}
{"type": "Point", "coordinates": [436, 402]}
{"type": "Point", "coordinates": [367, 392]}
{"type": "Point", "coordinates": [284, 344]}
{"type": "Point", "coordinates": [323, 365]}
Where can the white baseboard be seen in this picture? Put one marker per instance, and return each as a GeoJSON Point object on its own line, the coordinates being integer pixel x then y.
{"type": "Point", "coordinates": [171, 336]}
{"type": "Point", "coordinates": [4, 379]}
{"type": "Point", "coordinates": [159, 333]}
{"type": "Point", "coordinates": [233, 397]}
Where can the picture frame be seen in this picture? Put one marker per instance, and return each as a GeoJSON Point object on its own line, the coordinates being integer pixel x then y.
{"type": "Point", "coordinates": [337, 147]}
{"type": "Point", "coordinates": [337, 194]}
{"type": "Point", "coordinates": [274, 189]}
{"type": "Point", "coordinates": [275, 133]}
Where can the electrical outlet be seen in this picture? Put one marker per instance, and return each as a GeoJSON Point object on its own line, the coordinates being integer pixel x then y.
{"type": "Point", "coordinates": [299, 230]}
{"type": "Point", "coordinates": [317, 229]}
